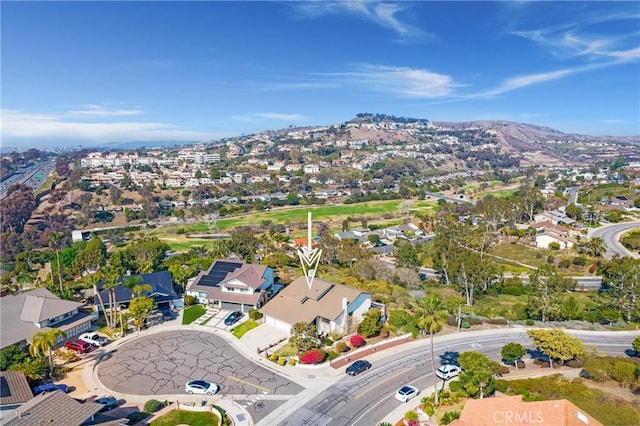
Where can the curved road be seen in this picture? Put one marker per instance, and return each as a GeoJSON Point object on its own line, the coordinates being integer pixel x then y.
{"type": "Point", "coordinates": [611, 234]}
{"type": "Point", "coordinates": [368, 398]}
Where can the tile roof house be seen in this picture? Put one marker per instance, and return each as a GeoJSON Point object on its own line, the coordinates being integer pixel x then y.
{"type": "Point", "coordinates": [58, 408]}
{"type": "Point", "coordinates": [24, 314]}
{"type": "Point", "coordinates": [512, 411]}
{"type": "Point", "coordinates": [233, 284]}
{"type": "Point", "coordinates": [161, 291]}
{"type": "Point", "coordinates": [14, 390]}
{"type": "Point", "coordinates": [331, 307]}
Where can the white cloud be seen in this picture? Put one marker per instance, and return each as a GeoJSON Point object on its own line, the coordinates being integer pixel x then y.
{"type": "Point", "coordinates": [101, 111]}
{"type": "Point", "coordinates": [17, 125]}
{"type": "Point", "coordinates": [383, 14]}
{"type": "Point", "coordinates": [262, 116]}
{"type": "Point", "coordinates": [403, 81]}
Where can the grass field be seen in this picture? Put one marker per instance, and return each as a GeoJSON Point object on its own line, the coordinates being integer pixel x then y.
{"type": "Point", "coordinates": [193, 313]}
{"type": "Point", "coordinates": [184, 417]}
{"type": "Point", "coordinates": [520, 253]}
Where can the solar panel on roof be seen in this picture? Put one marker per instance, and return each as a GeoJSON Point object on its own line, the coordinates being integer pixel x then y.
{"type": "Point", "coordinates": [217, 274]}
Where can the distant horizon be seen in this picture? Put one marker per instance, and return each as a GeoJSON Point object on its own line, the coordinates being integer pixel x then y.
{"type": "Point", "coordinates": [92, 73]}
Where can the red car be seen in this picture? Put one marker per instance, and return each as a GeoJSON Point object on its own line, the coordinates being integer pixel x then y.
{"type": "Point", "coordinates": [78, 346]}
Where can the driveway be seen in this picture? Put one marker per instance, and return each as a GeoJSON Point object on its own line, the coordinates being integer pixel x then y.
{"type": "Point", "coordinates": [263, 336]}
{"type": "Point", "coordinates": [161, 364]}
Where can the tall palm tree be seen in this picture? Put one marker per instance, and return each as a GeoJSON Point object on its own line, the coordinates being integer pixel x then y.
{"type": "Point", "coordinates": [111, 276]}
{"type": "Point", "coordinates": [432, 319]}
{"type": "Point", "coordinates": [45, 341]}
{"type": "Point", "coordinates": [55, 239]}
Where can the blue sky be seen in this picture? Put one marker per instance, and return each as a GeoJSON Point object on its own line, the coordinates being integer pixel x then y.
{"type": "Point", "coordinates": [93, 72]}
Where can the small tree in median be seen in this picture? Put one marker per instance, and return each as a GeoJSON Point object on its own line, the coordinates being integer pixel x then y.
{"type": "Point", "coordinates": [304, 336]}
{"type": "Point", "coordinates": [512, 352]}
{"type": "Point", "coordinates": [557, 344]}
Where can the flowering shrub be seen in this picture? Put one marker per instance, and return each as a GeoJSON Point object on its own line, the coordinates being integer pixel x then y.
{"type": "Point", "coordinates": [357, 340]}
{"type": "Point", "coordinates": [313, 356]}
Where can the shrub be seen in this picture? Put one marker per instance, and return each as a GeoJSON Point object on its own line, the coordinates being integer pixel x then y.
{"type": "Point", "coordinates": [500, 321]}
{"type": "Point", "coordinates": [136, 417]}
{"type": "Point", "coordinates": [504, 369]}
{"type": "Point", "coordinates": [370, 325]}
{"type": "Point", "coordinates": [357, 340]}
{"type": "Point", "coordinates": [501, 385]}
{"type": "Point", "coordinates": [521, 365]}
{"type": "Point", "coordinates": [341, 346]}
{"type": "Point", "coordinates": [623, 372]}
{"type": "Point", "coordinates": [189, 300]}
{"type": "Point", "coordinates": [554, 246]}
{"type": "Point", "coordinates": [411, 415]}
{"type": "Point", "coordinates": [530, 322]}
{"type": "Point", "coordinates": [292, 361]}
{"type": "Point", "coordinates": [384, 332]}
{"type": "Point", "coordinates": [513, 290]}
{"type": "Point", "coordinates": [465, 324]}
{"type": "Point", "coordinates": [282, 361]}
{"type": "Point", "coordinates": [273, 357]}
{"type": "Point", "coordinates": [452, 321]}
{"type": "Point", "coordinates": [152, 405]}
{"type": "Point", "coordinates": [313, 356]}
{"type": "Point", "coordinates": [574, 363]}
{"type": "Point", "coordinates": [579, 261]}
{"type": "Point", "coordinates": [332, 354]}
{"type": "Point", "coordinates": [450, 416]}
{"type": "Point", "coordinates": [255, 314]}
{"type": "Point", "coordinates": [455, 386]}
{"type": "Point", "coordinates": [328, 341]}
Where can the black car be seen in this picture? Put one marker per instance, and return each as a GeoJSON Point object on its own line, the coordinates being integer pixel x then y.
{"type": "Point", "coordinates": [358, 367]}
{"type": "Point", "coordinates": [108, 403]}
{"type": "Point", "coordinates": [232, 318]}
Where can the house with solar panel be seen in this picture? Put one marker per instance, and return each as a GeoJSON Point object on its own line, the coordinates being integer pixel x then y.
{"type": "Point", "coordinates": [234, 285]}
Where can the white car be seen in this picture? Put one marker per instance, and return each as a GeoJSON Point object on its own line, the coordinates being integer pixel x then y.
{"type": "Point", "coordinates": [201, 386]}
{"type": "Point", "coordinates": [407, 392]}
{"type": "Point", "coordinates": [94, 338]}
{"type": "Point", "coordinates": [448, 371]}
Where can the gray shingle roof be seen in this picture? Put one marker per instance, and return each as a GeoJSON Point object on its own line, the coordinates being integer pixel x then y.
{"type": "Point", "coordinates": [14, 388]}
{"type": "Point", "coordinates": [54, 408]}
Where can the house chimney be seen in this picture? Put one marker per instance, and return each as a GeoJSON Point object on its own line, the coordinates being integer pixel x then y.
{"type": "Point", "coordinates": [345, 304]}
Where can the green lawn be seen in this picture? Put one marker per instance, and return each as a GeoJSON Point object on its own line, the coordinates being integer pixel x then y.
{"type": "Point", "coordinates": [180, 245]}
{"type": "Point", "coordinates": [521, 253]}
{"type": "Point", "coordinates": [243, 328]}
{"type": "Point", "coordinates": [184, 417]}
{"type": "Point", "coordinates": [193, 313]}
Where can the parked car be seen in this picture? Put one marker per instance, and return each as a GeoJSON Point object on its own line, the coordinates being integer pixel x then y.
{"type": "Point", "coordinates": [201, 386]}
{"type": "Point", "coordinates": [407, 392]}
{"type": "Point", "coordinates": [358, 367]}
{"type": "Point", "coordinates": [167, 314]}
{"type": "Point", "coordinates": [50, 387]}
{"type": "Point", "coordinates": [78, 346]}
{"type": "Point", "coordinates": [232, 318]}
{"type": "Point", "coordinates": [448, 371]}
{"type": "Point", "coordinates": [94, 338]}
{"type": "Point", "coordinates": [108, 402]}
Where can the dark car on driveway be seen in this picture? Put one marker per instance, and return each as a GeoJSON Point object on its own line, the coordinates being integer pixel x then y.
{"type": "Point", "coordinates": [108, 403]}
{"type": "Point", "coordinates": [232, 318]}
{"type": "Point", "coordinates": [358, 367]}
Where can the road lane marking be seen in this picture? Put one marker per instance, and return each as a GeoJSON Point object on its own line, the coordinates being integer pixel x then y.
{"type": "Point", "coordinates": [361, 394]}
{"type": "Point", "coordinates": [248, 383]}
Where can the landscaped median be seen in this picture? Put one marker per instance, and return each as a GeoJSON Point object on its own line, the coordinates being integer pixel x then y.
{"type": "Point", "coordinates": [197, 414]}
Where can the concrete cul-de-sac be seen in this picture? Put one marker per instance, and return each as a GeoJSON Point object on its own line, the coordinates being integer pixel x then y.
{"type": "Point", "coordinates": [161, 364]}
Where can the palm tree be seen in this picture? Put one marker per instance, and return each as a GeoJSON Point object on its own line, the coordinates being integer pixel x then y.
{"type": "Point", "coordinates": [595, 247]}
{"type": "Point", "coordinates": [44, 341]}
{"type": "Point", "coordinates": [55, 239]}
{"type": "Point", "coordinates": [133, 284]}
{"type": "Point", "coordinates": [432, 319]}
{"type": "Point", "coordinates": [111, 276]}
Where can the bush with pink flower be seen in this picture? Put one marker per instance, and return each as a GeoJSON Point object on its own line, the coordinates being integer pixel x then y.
{"type": "Point", "coordinates": [313, 356]}
{"type": "Point", "coordinates": [357, 340]}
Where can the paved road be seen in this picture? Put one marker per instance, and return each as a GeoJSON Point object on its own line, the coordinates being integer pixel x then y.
{"type": "Point", "coordinates": [611, 234]}
{"type": "Point", "coordinates": [161, 364]}
{"type": "Point", "coordinates": [369, 398]}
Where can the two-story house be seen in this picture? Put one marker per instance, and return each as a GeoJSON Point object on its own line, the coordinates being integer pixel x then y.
{"type": "Point", "coordinates": [233, 284]}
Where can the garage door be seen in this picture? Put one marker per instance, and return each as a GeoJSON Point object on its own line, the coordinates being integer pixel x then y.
{"type": "Point", "coordinates": [233, 306]}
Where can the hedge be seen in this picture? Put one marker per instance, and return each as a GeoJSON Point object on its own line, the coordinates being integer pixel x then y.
{"type": "Point", "coordinates": [313, 356]}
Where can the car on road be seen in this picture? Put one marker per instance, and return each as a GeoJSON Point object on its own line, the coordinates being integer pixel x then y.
{"type": "Point", "coordinates": [448, 371]}
{"type": "Point", "coordinates": [108, 402]}
{"type": "Point", "coordinates": [201, 386]}
{"type": "Point", "coordinates": [358, 367]}
{"type": "Point", "coordinates": [232, 318]}
{"type": "Point", "coordinates": [406, 392]}
{"type": "Point", "coordinates": [94, 338]}
{"type": "Point", "coordinates": [50, 387]}
{"type": "Point", "coordinates": [78, 346]}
